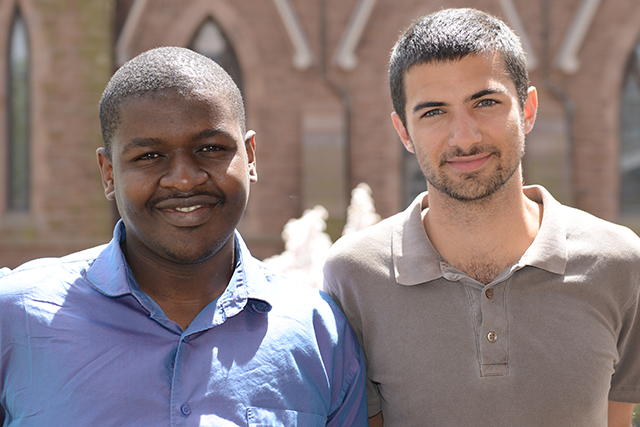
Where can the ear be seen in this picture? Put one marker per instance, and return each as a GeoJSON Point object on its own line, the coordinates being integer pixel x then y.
{"type": "Point", "coordinates": [530, 109]}
{"type": "Point", "coordinates": [106, 170]}
{"type": "Point", "coordinates": [250, 144]}
{"type": "Point", "coordinates": [402, 132]}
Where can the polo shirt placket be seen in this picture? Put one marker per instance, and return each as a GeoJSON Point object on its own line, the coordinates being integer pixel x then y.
{"type": "Point", "coordinates": [488, 305]}
{"type": "Point", "coordinates": [494, 330]}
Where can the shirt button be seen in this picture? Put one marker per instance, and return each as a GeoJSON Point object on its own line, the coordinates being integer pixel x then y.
{"type": "Point", "coordinates": [185, 409]}
{"type": "Point", "coordinates": [489, 293]}
{"type": "Point", "coordinates": [492, 336]}
{"type": "Point", "coordinates": [260, 307]}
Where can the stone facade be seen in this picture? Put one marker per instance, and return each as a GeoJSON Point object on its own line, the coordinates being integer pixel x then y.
{"type": "Point", "coordinates": [322, 125]}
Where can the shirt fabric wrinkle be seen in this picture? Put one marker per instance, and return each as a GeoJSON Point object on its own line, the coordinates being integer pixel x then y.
{"type": "Point", "coordinates": [234, 359]}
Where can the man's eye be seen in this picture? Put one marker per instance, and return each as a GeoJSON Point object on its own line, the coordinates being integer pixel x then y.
{"type": "Point", "coordinates": [432, 113]}
{"type": "Point", "coordinates": [149, 156]}
{"type": "Point", "coordinates": [210, 148]}
{"type": "Point", "coordinates": [486, 103]}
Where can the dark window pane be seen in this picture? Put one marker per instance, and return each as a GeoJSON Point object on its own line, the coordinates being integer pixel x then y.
{"type": "Point", "coordinates": [630, 140]}
{"type": "Point", "coordinates": [210, 42]}
{"type": "Point", "coordinates": [18, 117]}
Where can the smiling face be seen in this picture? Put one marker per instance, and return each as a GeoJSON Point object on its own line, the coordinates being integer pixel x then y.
{"type": "Point", "coordinates": [179, 170]}
{"type": "Point", "coordinates": [465, 125]}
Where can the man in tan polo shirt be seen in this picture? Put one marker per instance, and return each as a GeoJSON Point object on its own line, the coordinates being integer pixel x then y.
{"type": "Point", "coordinates": [486, 303]}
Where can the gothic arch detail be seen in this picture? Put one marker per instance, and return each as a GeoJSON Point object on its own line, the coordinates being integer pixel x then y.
{"type": "Point", "coordinates": [210, 41]}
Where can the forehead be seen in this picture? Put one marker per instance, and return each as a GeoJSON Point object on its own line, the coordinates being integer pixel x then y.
{"type": "Point", "coordinates": [446, 80]}
{"type": "Point", "coordinates": [207, 101]}
{"type": "Point", "coordinates": [170, 114]}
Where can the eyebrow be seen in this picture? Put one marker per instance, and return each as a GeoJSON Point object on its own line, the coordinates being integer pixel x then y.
{"type": "Point", "coordinates": [141, 143]}
{"type": "Point", "coordinates": [477, 95]}
{"type": "Point", "coordinates": [156, 142]}
{"type": "Point", "coordinates": [210, 133]}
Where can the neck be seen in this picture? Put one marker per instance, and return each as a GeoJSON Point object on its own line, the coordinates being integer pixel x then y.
{"type": "Point", "coordinates": [482, 238]}
{"type": "Point", "coordinates": [182, 290]}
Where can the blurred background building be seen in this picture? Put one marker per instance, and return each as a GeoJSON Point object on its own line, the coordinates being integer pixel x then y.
{"type": "Point", "coordinates": [314, 77]}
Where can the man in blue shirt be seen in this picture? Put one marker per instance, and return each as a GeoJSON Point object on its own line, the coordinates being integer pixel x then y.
{"type": "Point", "coordinates": [173, 322]}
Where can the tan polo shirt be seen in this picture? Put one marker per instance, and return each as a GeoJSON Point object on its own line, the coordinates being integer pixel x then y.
{"type": "Point", "coordinates": [547, 343]}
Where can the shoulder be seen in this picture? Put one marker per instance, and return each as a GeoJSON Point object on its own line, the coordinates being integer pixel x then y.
{"type": "Point", "coordinates": [364, 248]}
{"type": "Point", "coordinates": [588, 233]}
{"type": "Point", "coordinates": [297, 300]}
{"type": "Point", "coordinates": [46, 275]}
{"type": "Point", "coordinates": [299, 308]}
{"type": "Point", "coordinates": [604, 253]}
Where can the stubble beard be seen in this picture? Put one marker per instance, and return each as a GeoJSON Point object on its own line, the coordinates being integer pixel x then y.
{"type": "Point", "coordinates": [473, 186]}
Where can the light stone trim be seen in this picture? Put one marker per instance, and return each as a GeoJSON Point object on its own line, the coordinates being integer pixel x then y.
{"type": "Point", "coordinates": [303, 56]}
{"type": "Point", "coordinates": [567, 59]}
{"type": "Point", "coordinates": [345, 56]}
{"type": "Point", "coordinates": [512, 17]}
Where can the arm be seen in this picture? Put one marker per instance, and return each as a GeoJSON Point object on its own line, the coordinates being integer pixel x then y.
{"type": "Point", "coordinates": [349, 400]}
{"type": "Point", "coordinates": [619, 414]}
{"type": "Point", "coordinates": [377, 421]}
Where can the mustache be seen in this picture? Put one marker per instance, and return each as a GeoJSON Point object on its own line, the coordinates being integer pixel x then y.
{"type": "Point", "coordinates": [218, 196]}
{"type": "Point", "coordinates": [474, 150]}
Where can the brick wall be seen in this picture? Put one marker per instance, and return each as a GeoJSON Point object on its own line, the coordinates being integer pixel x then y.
{"type": "Point", "coordinates": [70, 43]}
{"type": "Point", "coordinates": [72, 47]}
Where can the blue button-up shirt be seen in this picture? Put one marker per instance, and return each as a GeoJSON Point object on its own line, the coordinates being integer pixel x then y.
{"type": "Point", "coordinates": [82, 345]}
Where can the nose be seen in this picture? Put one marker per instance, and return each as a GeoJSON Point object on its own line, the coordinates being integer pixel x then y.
{"type": "Point", "coordinates": [464, 131]}
{"type": "Point", "coordinates": [183, 174]}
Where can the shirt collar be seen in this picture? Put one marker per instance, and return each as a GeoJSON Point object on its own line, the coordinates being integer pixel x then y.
{"type": "Point", "coordinates": [549, 249]}
{"type": "Point", "coordinates": [249, 285]}
{"type": "Point", "coordinates": [416, 261]}
{"type": "Point", "coordinates": [109, 273]}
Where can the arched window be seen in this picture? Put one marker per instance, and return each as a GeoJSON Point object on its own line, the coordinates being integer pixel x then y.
{"type": "Point", "coordinates": [210, 42]}
{"type": "Point", "coordinates": [630, 139]}
{"type": "Point", "coordinates": [18, 94]}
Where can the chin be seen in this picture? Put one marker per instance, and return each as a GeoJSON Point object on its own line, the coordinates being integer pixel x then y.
{"type": "Point", "coordinates": [191, 255]}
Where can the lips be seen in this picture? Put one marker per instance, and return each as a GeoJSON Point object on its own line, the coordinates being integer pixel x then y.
{"type": "Point", "coordinates": [469, 163]}
{"type": "Point", "coordinates": [187, 211]}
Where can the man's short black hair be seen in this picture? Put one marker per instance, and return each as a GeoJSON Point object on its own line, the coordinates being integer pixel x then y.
{"type": "Point", "coordinates": [450, 35]}
{"type": "Point", "coordinates": [165, 68]}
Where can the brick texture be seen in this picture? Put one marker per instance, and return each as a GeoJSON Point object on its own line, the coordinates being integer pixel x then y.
{"type": "Point", "coordinates": [73, 45]}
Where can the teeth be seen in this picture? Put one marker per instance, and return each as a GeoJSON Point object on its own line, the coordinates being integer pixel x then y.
{"type": "Point", "coordinates": [188, 208]}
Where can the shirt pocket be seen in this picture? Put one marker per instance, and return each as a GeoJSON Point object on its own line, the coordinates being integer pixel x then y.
{"type": "Point", "coordinates": [263, 417]}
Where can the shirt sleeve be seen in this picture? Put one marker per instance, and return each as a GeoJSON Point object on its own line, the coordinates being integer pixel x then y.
{"type": "Point", "coordinates": [349, 401]}
{"type": "Point", "coordinates": [334, 287]}
{"type": "Point", "coordinates": [625, 383]}
{"type": "Point", "coordinates": [353, 409]}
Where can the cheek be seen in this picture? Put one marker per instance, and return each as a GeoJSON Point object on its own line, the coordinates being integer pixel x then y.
{"type": "Point", "coordinates": [238, 171]}
{"type": "Point", "coordinates": [131, 192]}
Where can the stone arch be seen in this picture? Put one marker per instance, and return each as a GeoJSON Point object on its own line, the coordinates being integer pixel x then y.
{"type": "Point", "coordinates": [210, 41]}
{"type": "Point", "coordinates": [237, 33]}
{"type": "Point", "coordinates": [184, 26]}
